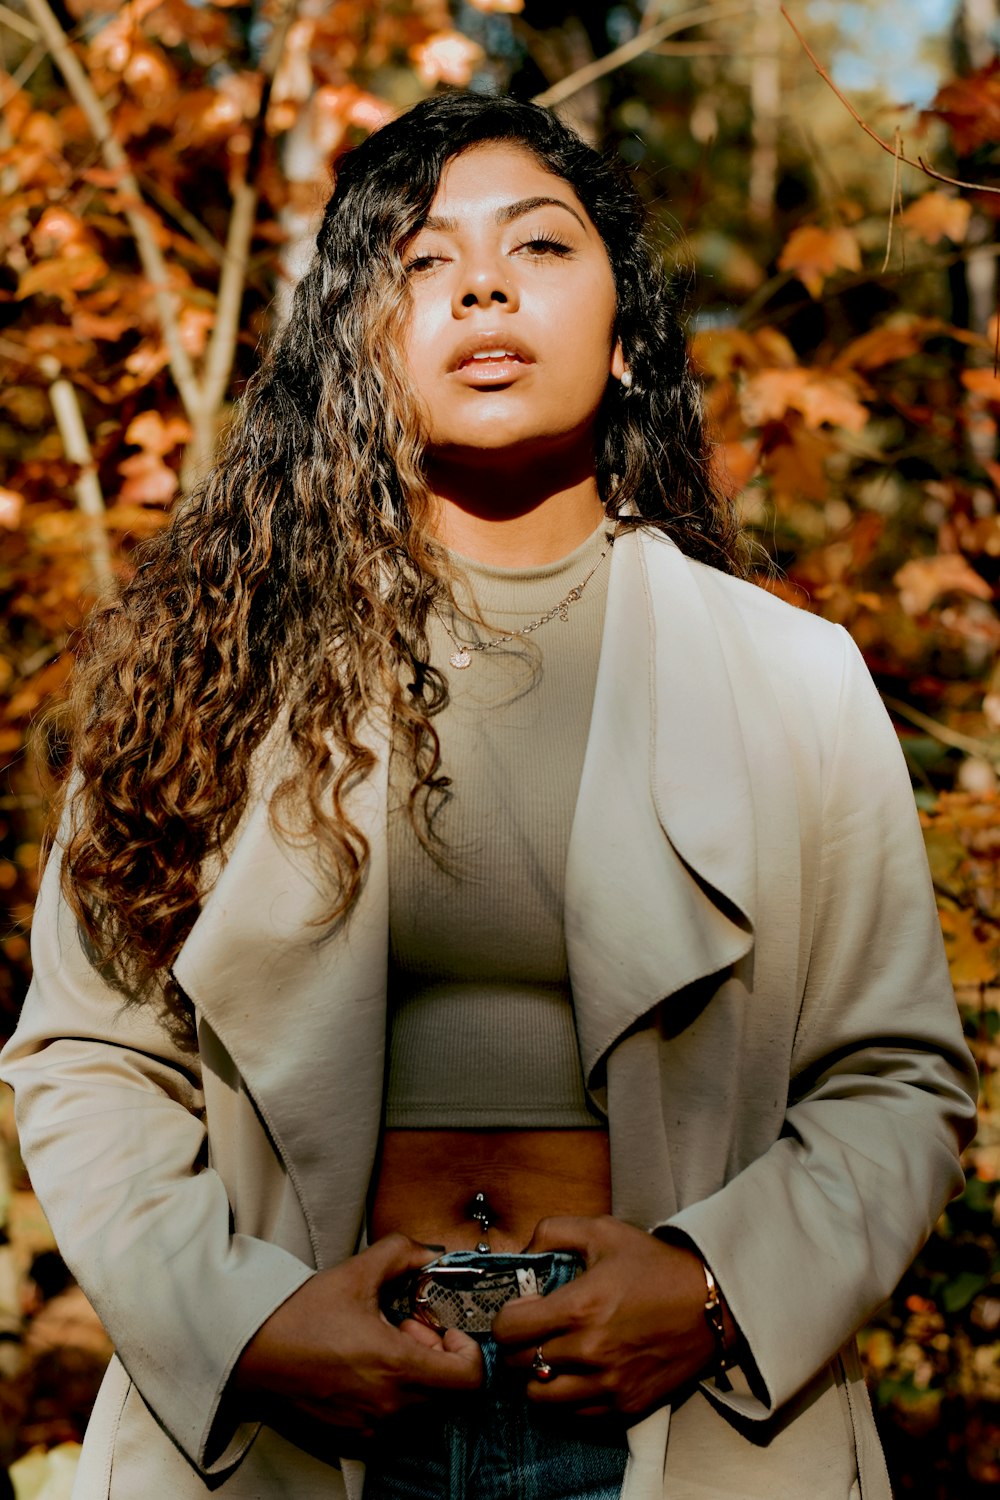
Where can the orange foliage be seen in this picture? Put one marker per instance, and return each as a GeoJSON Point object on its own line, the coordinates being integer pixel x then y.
{"type": "Point", "coordinates": [937, 216]}
{"type": "Point", "coordinates": [970, 107]}
{"type": "Point", "coordinates": [814, 255]}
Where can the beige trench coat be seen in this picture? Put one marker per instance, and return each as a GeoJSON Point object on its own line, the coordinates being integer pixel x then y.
{"type": "Point", "coordinates": [762, 1002]}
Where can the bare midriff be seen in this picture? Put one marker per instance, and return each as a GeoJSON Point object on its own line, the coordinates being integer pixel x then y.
{"type": "Point", "coordinates": [429, 1179]}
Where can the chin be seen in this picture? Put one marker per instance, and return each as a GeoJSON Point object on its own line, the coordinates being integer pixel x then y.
{"type": "Point", "coordinates": [494, 445]}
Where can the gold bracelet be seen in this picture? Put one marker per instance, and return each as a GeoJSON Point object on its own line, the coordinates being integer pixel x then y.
{"type": "Point", "coordinates": [714, 1319]}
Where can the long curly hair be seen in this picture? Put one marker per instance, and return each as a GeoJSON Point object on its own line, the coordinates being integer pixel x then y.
{"type": "Point", "coordinates": [291, 591]}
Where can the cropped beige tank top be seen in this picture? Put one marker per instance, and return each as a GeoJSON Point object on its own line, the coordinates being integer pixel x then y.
{"type": "Point", "coordinates": [481, 1024]}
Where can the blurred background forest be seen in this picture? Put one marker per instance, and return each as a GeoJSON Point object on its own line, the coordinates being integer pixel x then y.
{"type": "Point", "coordinates": [161, 166]}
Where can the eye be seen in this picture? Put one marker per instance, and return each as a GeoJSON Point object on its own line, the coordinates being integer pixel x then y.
{"type": "Point", "coordinates": [545, 244]}
{"type": "Point", "coordinates": [421, 263]}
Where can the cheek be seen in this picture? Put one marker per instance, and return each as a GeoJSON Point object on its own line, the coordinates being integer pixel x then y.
{"type": "Point", "coordinates": [417, 344]}
{"type": "Point", "coordinates": [591, 323]}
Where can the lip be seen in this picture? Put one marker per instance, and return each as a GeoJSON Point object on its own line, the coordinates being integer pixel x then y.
{"type": "Point", "coordinates": [493, 371]}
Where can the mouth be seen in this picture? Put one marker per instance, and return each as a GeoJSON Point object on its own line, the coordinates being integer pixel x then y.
{"type": "Point", "coordinates": [488, 359]}
{"type": "Point", "coordinates": [491, 357]}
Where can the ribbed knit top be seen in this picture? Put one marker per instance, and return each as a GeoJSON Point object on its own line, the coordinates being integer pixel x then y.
{"type": "Point", "coordinates": [482, 1031]}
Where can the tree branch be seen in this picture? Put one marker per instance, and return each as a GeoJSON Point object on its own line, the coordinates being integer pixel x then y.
{"type": "Point", "coordinates": [18, 23]}
{"type": "Point", "coordinates": [225, 331]}
{"type": "Point", "coordinates": [919, 163]}
{"type": "Point", "coordinates": [754, 304]}
{"type": "Point", "coordinates": [643, 41]}
{"type": "Point", "coordinates": [167, 301]}
{"type": "Point", "coordinates": [955, 740]}
{"type": "Point", "coordinates": [24, 72]}
{"type": "Point", "coordinates": [236, 258]}
{"type": "Point", "coordinates": [89, 498]}
{"type": "Point", "coordinates": [192, 227]}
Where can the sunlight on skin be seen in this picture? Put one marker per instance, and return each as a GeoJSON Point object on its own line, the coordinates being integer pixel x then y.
{"type": "Point", "coordinates": [510, 348]}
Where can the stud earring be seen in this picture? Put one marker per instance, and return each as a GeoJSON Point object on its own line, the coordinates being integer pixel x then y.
{"type": "Point", "coordinates": [627, 379]}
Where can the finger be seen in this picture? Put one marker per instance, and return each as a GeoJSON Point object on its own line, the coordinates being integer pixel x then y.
{"type": "Point", "coordinates": [393, 1255]}
{"type": "Point", "coordinates": [445, 1369]}
{"type": "Point", "coordinates": [523, 1356]}
{"type": "Point", "coordinates": [529, 1320]}
{"type": "Point", "coordinates": [453, 1340]}
{"type": "Point", "coordinates": [414, 1329]}
{"type": "Point", "coordinates": [564, 1232]}
{"type": "Point", "coordinates": [568, 1390]}
{"type": "Point", "coordinates": [457, 1342]}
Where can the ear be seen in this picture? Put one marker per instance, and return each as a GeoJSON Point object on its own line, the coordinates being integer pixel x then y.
{"type": "Point", "coordinates": [617, 360]}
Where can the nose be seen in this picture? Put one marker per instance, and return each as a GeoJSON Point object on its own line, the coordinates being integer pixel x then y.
{"type": "Point", "coordinates": [484, 283]}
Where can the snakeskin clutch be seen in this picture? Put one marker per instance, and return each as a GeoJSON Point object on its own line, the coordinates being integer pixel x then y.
{"type": "Point", "coordinates": [466, 1289]}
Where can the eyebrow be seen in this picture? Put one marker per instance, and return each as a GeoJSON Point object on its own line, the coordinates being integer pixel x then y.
{"type": "Point", "coordinates": [507, 214]}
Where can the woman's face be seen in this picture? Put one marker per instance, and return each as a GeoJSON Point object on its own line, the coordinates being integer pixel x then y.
{"type": "Point", "coordinates": [510, 338]}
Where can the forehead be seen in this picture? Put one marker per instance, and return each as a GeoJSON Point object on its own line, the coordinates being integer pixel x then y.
{"type": "Point", "coordinates": [492, 175]}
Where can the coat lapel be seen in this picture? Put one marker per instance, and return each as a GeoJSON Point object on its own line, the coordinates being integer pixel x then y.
{"type": "Point", "coordinates": [648, 915]}
{"type": "Point", "coordinates": [301, 1008]}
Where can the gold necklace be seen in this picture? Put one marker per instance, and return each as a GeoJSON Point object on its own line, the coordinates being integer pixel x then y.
{"type": "Point", "coordinates": [461, 657]}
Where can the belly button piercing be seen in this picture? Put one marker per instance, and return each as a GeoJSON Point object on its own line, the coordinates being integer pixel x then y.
{"type": "Point", "coordinates": [483, 1215]}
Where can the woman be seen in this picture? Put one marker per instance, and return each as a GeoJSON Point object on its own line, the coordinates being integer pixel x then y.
{"type": "Point", "coordinates": [446, 689]}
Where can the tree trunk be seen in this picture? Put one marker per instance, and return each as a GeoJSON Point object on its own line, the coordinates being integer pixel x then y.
{"type": "Point", "coordinates": [765, 107]}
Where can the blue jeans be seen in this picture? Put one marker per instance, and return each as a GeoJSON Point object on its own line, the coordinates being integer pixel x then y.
{"type": "Point", "coordinates": [493, 1444]}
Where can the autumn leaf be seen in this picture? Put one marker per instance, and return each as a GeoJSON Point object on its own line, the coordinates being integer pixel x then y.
{"type": "Point", "coordinates": [335, 108]}
{"type": "Point", "coordinates": [888, 343]}
{"type": "Point", "coordinates": [42, 131]}
{"type": "Point", "coordinates": [104, 177]}
{"type": "Point", "coordinates": [66, 274]}
{"type": "Point", "coordinates": [733, 465]}
{"type": "Point", "coordinates": [923, 580]}
{"type": "Point", "coordinates": [821, 399]}
{"type": "Point", "coordinates": [236, 99]}
{"type": "Point", "coordinates": [56, 229]}
{"type": "Point", "coordinates": [813, 254]}
{"type": "Point", "coordinates": [147, 360]}
{"type": "Point", "coordinates": [717, 352]}
{"type": "Point", "coordinates": [11, 508]}
{"type": "Point", "coordinates": [368, 112]}
{"type": "Point", "coordinates": [774, 350]}
{"type": "Point", "coordinates": [135, 520]}
{"type": "Point", "coordinates": [195, 325]}
{"type": "Point", "coordinates": [970, 107]}
{"type": "Point", "coordinates": [721, 352]}
{"type": "Point", "coordinates": [150, 432]}
{"type": "Point", "coordinates": [937, 216]}
{"type": "Point", "coordinates": [90, 325]}
{"type": "Point", "coordinates": [28, 404]}
{"type": "Point", "coordinates": [148, 480]}
{"type": "Point", "coordinates": [982, 383]}
{"type": "Point", "coordinates": [446, 57]}
{"type": "Point", "coordinates": [972, 951]}
{"type": "Point", "coordinates": [975, 621]}
{"type": "Point", "coordinates": [796, 465]}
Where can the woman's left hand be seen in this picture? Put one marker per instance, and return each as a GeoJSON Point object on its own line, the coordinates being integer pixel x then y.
{"type": "Point", "coordinates": [622, 1337]}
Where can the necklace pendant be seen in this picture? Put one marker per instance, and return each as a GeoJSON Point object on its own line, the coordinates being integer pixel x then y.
{"type": "Point", "coordinates": [460, 659]}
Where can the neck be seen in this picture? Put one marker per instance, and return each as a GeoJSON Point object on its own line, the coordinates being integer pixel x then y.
{"type": "Point", "coordinates": [520, 520]}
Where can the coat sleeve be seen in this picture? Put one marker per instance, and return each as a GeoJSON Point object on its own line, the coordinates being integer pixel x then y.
{"type": "Point", "coordinates": [110, 1119]}
{"type": "Point", "coordinates": [811, 1237]}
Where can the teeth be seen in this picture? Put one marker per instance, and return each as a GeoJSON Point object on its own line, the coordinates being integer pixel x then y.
{"type": "Point", "coordinates": [494, 354]}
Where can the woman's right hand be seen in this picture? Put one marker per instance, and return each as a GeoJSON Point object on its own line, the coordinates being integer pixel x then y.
{"type": "Point", "coordinates": [327, 1356]}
